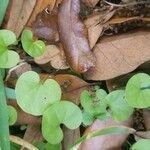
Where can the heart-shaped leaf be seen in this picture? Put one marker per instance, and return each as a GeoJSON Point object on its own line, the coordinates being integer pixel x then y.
{"type": "Point", "coordinates": [143, 144]}
{"type": "Point", "coordinates": [31, 47]}
{"type": "Point", "coordinates": [87, 118]}
{"type": "Point", "coordinates": [138, 91]}
{"type": "Point", "coordinates": [12, 115]}
{"type": "Point", "coordinates": [34, 95]}
{"type": "Point", "coordinates": [8, 58]}
{"type": "Point", "coordinates": [63, 112]}
{"type": "Point", "coordinates": [119, 108]}
{"type": "Point", "coordinates": [94, 105]}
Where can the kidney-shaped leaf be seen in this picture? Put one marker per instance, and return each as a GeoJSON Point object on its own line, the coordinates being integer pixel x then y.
{"type": "Point", "coordinates": [138, 91]}
{"type": "Point", "coordinates": [118, 105]}
{"type": "Point", "coordinates": [143, 144]}
{"type": "Point", "coordinates": [8, 58]}
{"type": "Point", "coordinates": [34, 95]}
{"type": "Point", "coordinates": [33, 48]}
{"type": "Point", "coordinates": [63, 112]}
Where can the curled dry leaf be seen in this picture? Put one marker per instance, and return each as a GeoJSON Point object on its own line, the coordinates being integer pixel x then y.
{"type": "Point", "coordinates": [72, 87]}
{"type": "Point", "coordinates": [118, 55]}
{"type": "Point", "coordinates": [108, 142]}
{"type": "Point", "coordinates": [54, 55]}
{"type": "Point", "coordinates": [72, 34]}
{"type": "Point", "coordinates": [39, 7]}
{"type": "Point", "coordinates": [90, 3]}
{"type": "Point", "coordinates": [18, 15]}
{"type": "Point", "coordinates": [95, 25]}
{"type": "Point", "coordinates": [45, 26]}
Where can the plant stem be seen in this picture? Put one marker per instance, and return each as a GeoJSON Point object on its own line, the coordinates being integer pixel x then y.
{"type": "Point", "coordinates": [4, 127]}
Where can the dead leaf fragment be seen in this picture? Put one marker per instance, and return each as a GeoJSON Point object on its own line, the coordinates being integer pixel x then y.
{"type": "Point", "coordinates": [39, 7]}
{"type": "Point", "coordinates": [45, 26]}
{"type": "Point", "coordinates": [18, 15]}
{"type": "Point", "coordinates": [72, 34]}
{"type": "Point", "coordinates": [72, 87]}
{"type": "Point", "coordinates": [119, 55]}
{"type": "Point", "coordinates": [55, 56]}
{"type": "Point", "coordinates": [146, 116]}
{"type": "Point", "coordinates": [90, 3]}
{"type": "Point", "coordinates": [108, 142]}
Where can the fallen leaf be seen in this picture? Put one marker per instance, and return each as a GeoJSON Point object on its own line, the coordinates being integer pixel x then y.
{"type": "Point", "coordinates": [113, 142]}
{"type": "Point", "coordinates": [18, 15]}
{"type": "Point", "coordinates": [95, 25]}
{"type": "Point", "coordinates": [45, 26]}
{"type": "Point", "coordinates": [118, 55]}
{"type": "Point", "coordinates": [39, 7]}
{"type": "Point", "coordinates": [72, 34]}
{"type": "Point", "coordinates": [90, 3]}
{"type": "Point", "coordinates": [72, 87]}
{"type": "Point", "coordinates": [70, 136]}
{"type": "Point", "coordinates": [55, 56]}
{"type": "Point", "coordinates": [33, 134]}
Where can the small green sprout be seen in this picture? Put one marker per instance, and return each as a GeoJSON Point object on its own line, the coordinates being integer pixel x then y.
{"type": "Point", "coordinates": [12, 113]}
{"type": "Point", "coordinates": [31, 47]}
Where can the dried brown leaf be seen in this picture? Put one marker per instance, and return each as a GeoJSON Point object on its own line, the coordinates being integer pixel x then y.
{"type": "Point", "coordinates": [72, 86]}
{"type": "Point", "coordinates": [119, 55]}
{"type": "Point", "coordinates": [90, 3]}
{"type": "Point", "coordinates": [72, 33]}
{"type": "Point", "coordinates": [108, 142]}
{"type": "Point", "coordinates": [146, 116]}
{"type": "Point", "coordinates": [39, 7]}
{"type": "Point", "coordinates": [45, 26]}
{"type": "Point", "coordinates": [55, 56]}
{"type": "Point", "coordinates": [18, 15]}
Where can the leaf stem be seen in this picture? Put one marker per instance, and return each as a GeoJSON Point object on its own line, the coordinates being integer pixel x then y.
{"type": "Point", "coordinates": [4, 127]}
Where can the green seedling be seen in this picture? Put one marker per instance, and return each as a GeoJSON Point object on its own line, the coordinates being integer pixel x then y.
{"type": "Point", "coordinates": [63, 112]}
{"type": "Point", "coordinates": [31, 47]}
{"type": "Point", "coordinates": [138, 91]}
{"type": "Point", "coordinates": [34, 95]}
{"type": "Point", "coordinates": [143, 144]}
{"type": "Point", "coordinates": [94, 105]}
{"type": "Point", "coordinates": [118, 106]}
{"type": "Point", "coordinates": [12, 113]}
{"type": "Point", "coordinates": [8, 58]}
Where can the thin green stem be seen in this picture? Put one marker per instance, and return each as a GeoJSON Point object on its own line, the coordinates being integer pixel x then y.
{"type": "Point", "coordinates": [4, 127]}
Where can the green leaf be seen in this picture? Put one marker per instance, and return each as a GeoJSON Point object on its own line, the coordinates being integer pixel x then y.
{"type": "Point", "coordinates": [33, 48]}
{"type": "Point", "coordinates": [87, 118]}
{"type": "Point", "coordinates": [118, 105]}
{"type": "Point", "coordinates": [105, 131]}
{"type": "Point", "coordinates": [143, 144]}
{"type": "Point", "coordinates": [137, 91]}
{"type": "Point", "coordinates": [34, 95]}
{"type": "Point", "coordinates": [8, 58]}
{"type": "Point", "coordinates": [12, 115]}
{"type": "Point", "coordinates": [3, 7]}
{"type": "Point", "coordinates": [10, 93]}
{"type": "Point", "coordinates": [94, 105]}
{"type": "Point", "coordinates": [63, 112]}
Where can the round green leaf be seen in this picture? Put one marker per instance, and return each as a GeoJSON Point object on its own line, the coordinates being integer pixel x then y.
{"type": "Point", "coordinates": [7, 37]}
{"type": "Point", "coordinates": [94, 105]}
{"type": "Point", "coordinates": [8, 58]}
{"type": "Point", "coordinates": [137, 91]}
{"type": "Point", "coordinates": [34, 95]}
{"type": "Point", "coordinates": [143, 144]}
{"type": "Point", "coordinates": [33, 48]}
{"type": "Point", "coordinates": [87, 118]}
{"type": "Point", "coordinates": [12, 115]}
{"type": "Point", "coordinates": [63, 112]}
{"type": "Point", "coordinates": [118, 106]}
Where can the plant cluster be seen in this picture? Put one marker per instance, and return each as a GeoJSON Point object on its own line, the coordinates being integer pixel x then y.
{"type": "Point", "coordinates": [43, 98]}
